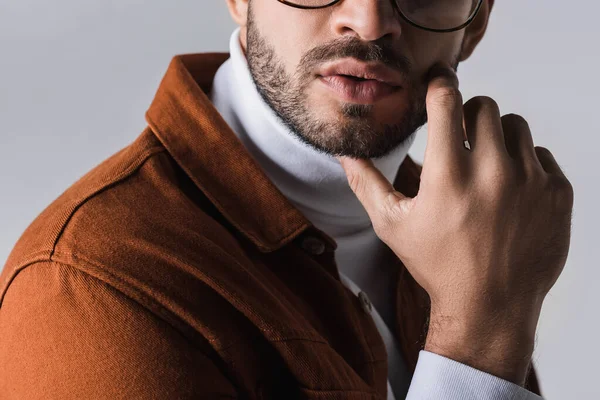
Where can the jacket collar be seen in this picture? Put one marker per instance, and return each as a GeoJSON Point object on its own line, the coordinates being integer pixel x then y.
{"type": "Point", "coordinates": [202, 143]}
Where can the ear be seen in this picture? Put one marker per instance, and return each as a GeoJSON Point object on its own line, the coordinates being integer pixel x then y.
{"type": "Point", "coordinates": [239, 11]}
{"type": "Point", "coordinates": [476, 29]}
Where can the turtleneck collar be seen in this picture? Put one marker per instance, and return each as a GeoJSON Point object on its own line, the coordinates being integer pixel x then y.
{"type": "Point", "coordinates": [313, 181]}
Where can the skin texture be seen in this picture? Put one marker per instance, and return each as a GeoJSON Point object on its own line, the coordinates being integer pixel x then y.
{"type": "Point", "coordinates": [488, 234]}
{"type": "Point", "coordinates": [286, 48]}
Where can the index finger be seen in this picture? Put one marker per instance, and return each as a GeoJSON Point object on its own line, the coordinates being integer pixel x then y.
{"type": "Point", "coordinates": [445, 131]}
{"type": "Point", "coordinates": [369, 185]}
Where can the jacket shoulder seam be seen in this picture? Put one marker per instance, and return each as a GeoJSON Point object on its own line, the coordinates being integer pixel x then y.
{"type": "Point", "coordinates": [123, 175]}
{"type": "Point", "coordinates": [47, 253]}
{"type": "Point", "coordinates": [149, 308]}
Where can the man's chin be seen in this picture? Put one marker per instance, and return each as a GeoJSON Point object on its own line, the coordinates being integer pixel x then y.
{"type": "Point", "coordinates": [350, 113]}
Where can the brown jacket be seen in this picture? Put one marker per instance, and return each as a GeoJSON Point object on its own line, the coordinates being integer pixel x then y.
{"type": "Point", "coordinates": [176, 269]}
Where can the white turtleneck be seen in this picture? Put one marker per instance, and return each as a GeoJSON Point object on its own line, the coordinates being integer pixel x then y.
{"type": "Point", "coordinates": [317, 185]}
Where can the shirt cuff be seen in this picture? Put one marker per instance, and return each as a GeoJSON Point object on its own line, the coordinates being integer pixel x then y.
{"type": "Point", "coordinates": [437, 377]}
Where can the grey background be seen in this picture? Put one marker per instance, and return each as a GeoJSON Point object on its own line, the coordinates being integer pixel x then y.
{"type": "Point", "coordinates": [76, 77]}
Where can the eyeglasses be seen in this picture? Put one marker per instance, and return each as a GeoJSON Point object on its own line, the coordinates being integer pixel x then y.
{"type": "Point", "coordinates": [430, 15]}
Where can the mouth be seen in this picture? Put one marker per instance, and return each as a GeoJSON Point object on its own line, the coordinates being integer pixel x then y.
{"type": "Point", "coordinates": [361, 83]}
{"type": "Point", "coordinates": [355, 78]}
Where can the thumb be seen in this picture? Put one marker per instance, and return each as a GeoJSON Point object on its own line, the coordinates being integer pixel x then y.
{"type": "Point", "coordinates": [374, 191]}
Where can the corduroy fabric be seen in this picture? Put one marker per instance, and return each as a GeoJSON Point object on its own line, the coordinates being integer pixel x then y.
{"type": "Point", "coordinates": [175, 269]}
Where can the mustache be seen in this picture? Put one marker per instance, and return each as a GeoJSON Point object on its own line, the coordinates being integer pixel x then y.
{"type": "Point", "coordinates": [381, 51]}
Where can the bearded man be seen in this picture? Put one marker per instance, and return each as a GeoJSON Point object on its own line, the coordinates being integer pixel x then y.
{"type": "Point", "coordinates": [267, 235]}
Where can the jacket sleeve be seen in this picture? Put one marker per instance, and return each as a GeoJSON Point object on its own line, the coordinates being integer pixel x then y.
{"type": "Point", "coordinates": [66, 335]}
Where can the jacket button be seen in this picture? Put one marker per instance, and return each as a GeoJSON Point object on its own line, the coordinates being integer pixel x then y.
{"type": "Point", "coordinates": [313, 245]}
{"type": "Point", "coordinates": [365, 302]}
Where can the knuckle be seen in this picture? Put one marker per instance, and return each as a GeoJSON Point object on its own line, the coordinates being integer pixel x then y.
{"type": "Point", "coordinates": [569, 190]}
{"type": "Point", "coordinates": [514, 118]}
{"type": "Point", "coordinates": [563, 193]}
{"type": "Point", "coordinates": [449, 177]}
{"type": "Point", "coordinates": [538, 180]}
{"type": "Point", "coordinates": [542, 151]}
{"type": "Point", "coordinates": [447, 95]}
{"type": "Point", "coordinates": [483, 103]}
{"type": "Point", "coordinates": [498, 173]}
{"type": "Point", "coordinates": [355, 182]}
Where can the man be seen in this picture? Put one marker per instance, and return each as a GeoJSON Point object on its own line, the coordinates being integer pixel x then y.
{"type": "Point", "coordinates": [249, 243]}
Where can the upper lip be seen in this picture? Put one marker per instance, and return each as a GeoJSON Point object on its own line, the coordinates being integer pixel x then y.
{"type": "Point", "coordinates": [359, 69]}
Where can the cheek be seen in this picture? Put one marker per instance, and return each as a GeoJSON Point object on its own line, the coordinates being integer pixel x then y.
{"type": "Point", "coordinates": [290, 32]}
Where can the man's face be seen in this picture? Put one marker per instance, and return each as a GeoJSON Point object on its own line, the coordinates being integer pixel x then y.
{"type": "Point", "coordinates": [300, 61]}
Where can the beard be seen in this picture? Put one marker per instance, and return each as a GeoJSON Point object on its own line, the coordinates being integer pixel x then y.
{"type": "Point", "coordinates": [354, 133]}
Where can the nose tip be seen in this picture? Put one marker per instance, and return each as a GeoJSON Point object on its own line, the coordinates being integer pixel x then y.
{"type": "Point", "coordinates": [369, 20]}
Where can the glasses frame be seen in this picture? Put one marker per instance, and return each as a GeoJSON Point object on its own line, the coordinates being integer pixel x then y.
{"type": "Point", "coordinates": [404, 17]}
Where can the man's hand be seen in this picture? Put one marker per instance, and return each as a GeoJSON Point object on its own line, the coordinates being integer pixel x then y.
{"type": "Point", "coordinates": [486, 236]}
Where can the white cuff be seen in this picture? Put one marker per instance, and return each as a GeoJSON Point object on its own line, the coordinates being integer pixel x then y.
{"type": "Point", "coordinates": [437, 377]}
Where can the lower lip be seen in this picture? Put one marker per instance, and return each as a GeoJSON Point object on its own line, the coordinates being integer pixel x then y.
{"type": "Point", "coordinates": [359, 92]}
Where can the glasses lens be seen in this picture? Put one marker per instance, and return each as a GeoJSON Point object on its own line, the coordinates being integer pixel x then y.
{"type": "Point", "coordinates": [432, 14]}
{"type": "Point", "coordinates": [438, 14]}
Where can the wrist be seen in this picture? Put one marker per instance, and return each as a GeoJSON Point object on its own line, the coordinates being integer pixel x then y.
{"type": "Point", "coordinates": [493, 343]}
